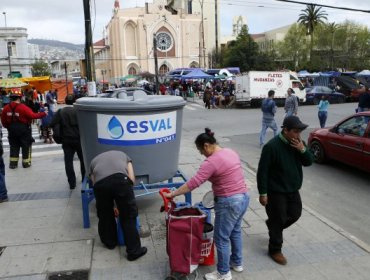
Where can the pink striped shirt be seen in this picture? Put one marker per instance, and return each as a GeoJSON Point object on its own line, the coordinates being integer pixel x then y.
{"type": "Point", "coordinates": [223, 169]}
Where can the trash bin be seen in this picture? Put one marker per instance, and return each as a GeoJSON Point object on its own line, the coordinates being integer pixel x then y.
{"type": "Point", "coordinates": [145, 127]}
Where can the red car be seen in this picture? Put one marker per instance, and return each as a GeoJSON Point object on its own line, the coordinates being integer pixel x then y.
{"type": "Point", "coordinates": [348, 142]}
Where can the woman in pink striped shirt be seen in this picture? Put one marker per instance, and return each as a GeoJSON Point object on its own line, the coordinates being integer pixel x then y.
{"type": "Point", "coordinates": [222, 167]}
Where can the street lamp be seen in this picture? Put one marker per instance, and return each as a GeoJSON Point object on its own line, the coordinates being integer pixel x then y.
{"type": "Point", "coordinates": [4, 13]}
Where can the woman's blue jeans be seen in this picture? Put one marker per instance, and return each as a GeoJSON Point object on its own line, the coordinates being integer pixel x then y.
{"type": "Point", "coordinates": [229, 212]}
{"type": "Point", "coordinates": [323, 115]}
{"type": "Point", "coordinates": [3, 190]}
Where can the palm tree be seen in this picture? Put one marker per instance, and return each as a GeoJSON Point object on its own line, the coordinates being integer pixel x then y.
{"type": "Point", "coordinates": [310, 18]}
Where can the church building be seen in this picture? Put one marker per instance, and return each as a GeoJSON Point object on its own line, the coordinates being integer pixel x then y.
{"type": "Point", "coordinates": [181, 34]}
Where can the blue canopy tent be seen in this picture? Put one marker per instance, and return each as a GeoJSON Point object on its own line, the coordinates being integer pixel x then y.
{"type": "Point", "coordinates": [363, 73]}
{"type": "Point", "coordinates": [303, 74]}
{"type": "Point", "coordinates": [196, 74]}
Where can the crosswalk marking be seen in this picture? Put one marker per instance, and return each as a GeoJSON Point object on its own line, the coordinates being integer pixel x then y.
{"type": "Point", "coordinates": [39, 148]}
{"type": "Point", "coordinates": [193, 106]}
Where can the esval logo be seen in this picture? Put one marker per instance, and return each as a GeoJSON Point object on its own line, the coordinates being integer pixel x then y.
{"type": "Point", "coordinates": [135, 130]}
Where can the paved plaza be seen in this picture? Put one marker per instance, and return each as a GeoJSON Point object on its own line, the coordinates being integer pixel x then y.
{"type": "Point", "coordinates": [42, 234]}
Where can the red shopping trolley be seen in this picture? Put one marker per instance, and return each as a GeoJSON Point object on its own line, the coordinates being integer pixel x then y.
{"type": "Point", "coordinates": [184, 232]}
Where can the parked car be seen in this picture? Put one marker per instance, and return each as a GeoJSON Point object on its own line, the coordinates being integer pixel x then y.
{"type": "Point", "coordinates": [348, 142]}
{"type": "Point", "coordinates": [314, 94]}
{"type": "Point", "coordinates": [129, 91]}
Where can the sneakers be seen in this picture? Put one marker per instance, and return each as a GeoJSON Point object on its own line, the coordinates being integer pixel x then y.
{"type": "Point", "coordinates": [278, 258]}
{"type": "Point", "coordinates": [237, 268]}
{"type": "Point", "coordinates": [215, 275]}
{"type": "Point", "coordinates": [4, 200]}
{"type": "Point", "coordinates": [142, 252]}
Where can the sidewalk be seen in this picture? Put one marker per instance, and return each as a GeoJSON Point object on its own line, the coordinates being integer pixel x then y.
{"type": "Point", "coordinates": [41, 234]}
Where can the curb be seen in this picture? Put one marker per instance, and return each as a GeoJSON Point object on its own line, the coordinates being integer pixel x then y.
{"type": "Point", "coordinates": [363, 245]}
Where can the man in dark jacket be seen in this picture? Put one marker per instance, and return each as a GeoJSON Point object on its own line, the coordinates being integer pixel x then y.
{"type": "Point", "coordinates": [279, 178]}
{"type": "Point", "coordinates": [71, 144]}
{"type": "Point", "coordinates": [364, 101]}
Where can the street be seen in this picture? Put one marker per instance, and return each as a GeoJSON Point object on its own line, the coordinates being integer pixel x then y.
{"type": "Point", "coordinates": [336, 191]}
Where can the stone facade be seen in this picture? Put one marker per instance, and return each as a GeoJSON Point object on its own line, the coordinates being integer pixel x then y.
{"type": "Point", "coordinates": [130, 33]}
{"type": "Point", "coordinates": [13, 44]}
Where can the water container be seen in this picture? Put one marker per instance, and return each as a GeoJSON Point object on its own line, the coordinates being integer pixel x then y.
{"type": "Point", "coordinates": [146, 127]}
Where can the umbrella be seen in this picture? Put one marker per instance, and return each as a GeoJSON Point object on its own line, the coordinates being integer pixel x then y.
{"type": "Point", "coordinates": [12, 83]}
{"type": "Point", "coordinates": [129, 78]}
{"type": "Point", "coordinates": [142, 82]}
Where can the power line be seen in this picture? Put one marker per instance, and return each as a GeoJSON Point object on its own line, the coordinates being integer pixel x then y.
{"type": "Point", "coordinates": [325, 6]}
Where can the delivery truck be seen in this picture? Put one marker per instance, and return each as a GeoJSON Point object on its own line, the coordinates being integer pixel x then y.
{"type": "Point", "coordinates": [252, 87]}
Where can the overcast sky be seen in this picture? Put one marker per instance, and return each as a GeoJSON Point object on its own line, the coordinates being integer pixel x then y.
{"type": "Point", "coordinates": [64, 20]}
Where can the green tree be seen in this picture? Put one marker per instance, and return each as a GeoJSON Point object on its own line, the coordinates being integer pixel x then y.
{"type": "Point", "coordinates": [40, 68]}
{"type": "Point", "coordinates": [344, 46]}
{"type": "Point", "coordinates": [310, 18]}
{"type": "Point", "coordinates": [292, 51]}
{"type": "Point", "coordinates": [242, 52]}
{"type": "Point", "coordinates": [326, 45]}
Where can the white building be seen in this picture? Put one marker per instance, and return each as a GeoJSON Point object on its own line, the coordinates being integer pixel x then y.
{"type": "Point", "coordinates": [58, 68]}
{"type": "Point", "coordinates": [238, 23]}
{"type": "Point", "coordinates": [14, 54]}
{"type": "Point", "coordinates": [34, 51]}
{"type": "Point", "coordinates": [267, 39]}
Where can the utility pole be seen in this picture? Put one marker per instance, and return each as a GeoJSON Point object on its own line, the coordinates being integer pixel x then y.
{"type": "Point", "coordinates": [201, 2]}
{"type": "Point", "coordinates": [4, 13]}
{"type": "Point", "coordinates": [88, 42]}
{"type": "Point", "coordinates": [155, 62]}
{"type": "Point", "coordinates": [66, 73]}
{"type": "Point", "coordinates": [10, 64]}
{"type": "Point", "coordinates": [216, 30]}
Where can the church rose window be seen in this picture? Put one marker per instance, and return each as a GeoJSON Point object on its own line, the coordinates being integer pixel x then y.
{"type": "Point", "coordinates": [164, 41]}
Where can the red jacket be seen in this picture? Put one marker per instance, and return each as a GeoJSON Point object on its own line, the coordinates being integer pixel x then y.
{"type": "Point", "coordinates": [23, 114]}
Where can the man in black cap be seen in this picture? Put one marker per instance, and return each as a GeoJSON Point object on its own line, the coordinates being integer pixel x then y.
{"type": "Point", "coordinates": [279, 178]}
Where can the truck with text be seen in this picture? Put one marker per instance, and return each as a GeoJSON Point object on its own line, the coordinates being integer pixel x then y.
{"type": "Point", "coordinates": [252, 87]}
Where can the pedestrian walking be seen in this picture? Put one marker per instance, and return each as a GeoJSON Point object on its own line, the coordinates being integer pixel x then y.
{"type": "Point", "coordinates": [3, 190]}
{"type": "Point", "coordinates": [323, 110]}
{"type": "Point", "coordinates": [17, 118]}
{"type": "Point", "coordinates": [268, 109]}
{"type": "Point", "coordinates": [364, 101]}
{"type": "Point", "coordinates": [71, 144]}
{"type": "Point", "coordinates": [222, 168]}
{"type": "Point", "coordinates": [279, 178]}
{"type": "Point", "coordinates": [113, 176]}
{"type": "Point", "coordinates": [291, 104]}
{"type": "Point", "coordinates": [51, 99]}
{"type": "Point", "coordinates": [207, 95]}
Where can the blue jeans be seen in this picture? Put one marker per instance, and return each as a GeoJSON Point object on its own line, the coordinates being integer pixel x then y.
{"type": "Point", "coordinates": [3, 190]}
{"type": "Point", "coordinates": [323, 115]}
{"type": "Point", "coordinates": [229, 212]}
{"type": "Point", "coordinates": [265, 126]}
